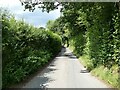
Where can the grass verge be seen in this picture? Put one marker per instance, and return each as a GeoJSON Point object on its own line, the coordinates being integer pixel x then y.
{"type": "Point", "coordinates": [107, 75]}
{"type": "Point", "coordinates": [110, 76]}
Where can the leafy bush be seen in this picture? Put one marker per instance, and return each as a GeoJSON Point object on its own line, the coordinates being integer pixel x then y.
{"type": "Point", "coordinates": [25, 49]}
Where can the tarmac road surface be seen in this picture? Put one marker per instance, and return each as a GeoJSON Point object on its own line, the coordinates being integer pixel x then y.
{"type": "Point", "coordinates": [65, 71]}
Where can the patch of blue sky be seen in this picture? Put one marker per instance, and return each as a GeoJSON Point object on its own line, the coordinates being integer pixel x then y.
{"type": "Point", "coordinates": [36, 18]}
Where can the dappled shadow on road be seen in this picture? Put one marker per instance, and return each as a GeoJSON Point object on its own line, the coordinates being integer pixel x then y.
{"type": "Point", "coordinates": [84, 71]}
{"type": "Point", "coordinates": [45, 78]}
{"type": "Point", "coordinates": [40, 79]}
{"type": "Point", "coordinates": [70, 55]}
{"type": "Point", "coordinates": [66, 53]}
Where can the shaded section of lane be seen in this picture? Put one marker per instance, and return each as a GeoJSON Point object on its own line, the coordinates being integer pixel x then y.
{"type": "Point", "coordinates": [65, 71]}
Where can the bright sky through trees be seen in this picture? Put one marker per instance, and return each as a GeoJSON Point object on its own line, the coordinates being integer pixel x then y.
{"type": "Point", "coordinates": [36, 18]}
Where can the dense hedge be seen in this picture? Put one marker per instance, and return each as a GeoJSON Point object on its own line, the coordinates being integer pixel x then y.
{"type": "Point", "coordinates": [24, 49]}
{"type": "Point", "coordinates": [96, 31]}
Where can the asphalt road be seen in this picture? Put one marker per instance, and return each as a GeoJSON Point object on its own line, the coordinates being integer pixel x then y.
{"type": "Point", "coordinates": [65, 71]}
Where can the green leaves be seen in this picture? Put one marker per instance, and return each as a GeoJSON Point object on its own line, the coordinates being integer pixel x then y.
{"type": "Point", "coordinates": [25, 49]}
{"type": "Point", "coordinates": [94, 30]}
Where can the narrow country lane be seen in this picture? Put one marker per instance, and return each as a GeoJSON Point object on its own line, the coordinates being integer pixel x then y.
{"type": "Point", "coordinates": [65, 71]}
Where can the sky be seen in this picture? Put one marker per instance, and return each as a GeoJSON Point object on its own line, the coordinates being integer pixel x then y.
{"type": "Point", "coordinates": [36, 18]}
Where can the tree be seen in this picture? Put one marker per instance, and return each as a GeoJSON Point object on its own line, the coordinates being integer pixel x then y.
{"type": "Point", "coordinates": [46, 6]}
{"type": "Point", "coordinates": [41, 28]}
{"type": "Point", "coordinates": [50, 25]}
